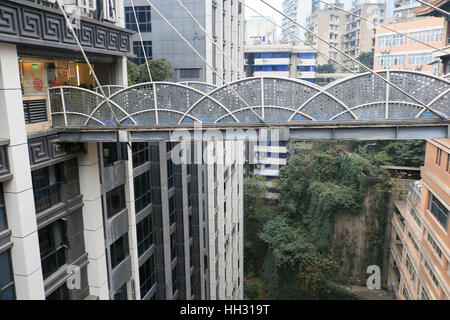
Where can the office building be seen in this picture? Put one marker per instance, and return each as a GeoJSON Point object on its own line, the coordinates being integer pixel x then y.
{"type": "Point", "coordinates": [102, 220]}
{"type": "Point", "coordinates": [283, 60]}
{"type": "Point", "coordinates": [223, 20]}
{"type": "Point", "coordinates": [419, 267]}
{"type": "Point", "coordinates": [395, 51]}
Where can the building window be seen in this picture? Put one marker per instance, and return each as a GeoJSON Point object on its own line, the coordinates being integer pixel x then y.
{"type": "Point", "coordinates": [143, 15]}
{"type": "Point", "coordinates": [113, 152]}
{"type": "Point", "coordinates": [141, 152]}
{"type": "Point", "coordinates": [46, 192]}
{"type": "Point", "coordinates": [172, 210]}
{"type": "Point", "coordinates": [415, 216]}
{"type": "Point", "coordinates": [413, 241]}
{"type": "Point", "coordinates": [147, 276]}
{"type": "Point", "coordinates": [434, 245]}
{"type": "Point", "coordinates": [426, 36]}
{"type": "Point", "coordinates": [438, 156]}
{"type": "Point", "coordinates": [145, 234]}
{"type": "Point", "coordinates": [53, 245]}
{"type": "Point", "coordinates": [142, 191]}
{"type": "Point", "coordinates": [439, 211]}
{"type": "Point", "coordinates": [3, 223]}
{"type": "Point", "coordinates": [6, 277]}
{"type": "Point", "coordinates": [424, 295]}
{"type": "Point", "coordinates": [121, 294]}
{"type": "Point", "coordinates": [392, 40]}
{"type": "Point", "coordinates": [448, 163]}
{"type": "Point", "coordinates": [38, 75]}
{"type": "Point", "coordinates": [119, 250]}
{"type": "Point", "coordinates": [431, 274]}
{"type": "Point", "coordinates": [410, 268]}
{"type": "Point", "coordinates": [115, 201]}
{"type": "Point", "coordinates": [189, 73]}
{"type": "Point", "coordinates": [62, 293]}
{"type": "Point", "coordinates": [137, 50]}
{"type": "Point", "coordinates": [173, 246]}
{"type": "Point", "coordinates": [170, 178]}
{"type": "Point", "coordinates": [174, 280]}
{"type": "Point", "coordinates": [420, 58]}
{"type": "Point", "coordinates": [406, 293]}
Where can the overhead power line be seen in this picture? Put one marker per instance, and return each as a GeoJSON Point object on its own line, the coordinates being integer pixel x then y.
{"type": "Point", "coordinates": [303, 41]}
{"type": "Point", "coordinates": [142, 42]}
{"type": "Point", "coordinates": [205, 61]}
{"type": "Point", "coordinates": [212, 39]}
{"type": "Point", "coordinates": [359, 63]}
{"type": "Point", "coordinates": [97, 82]}
{"type": "Point", "coordinates": [382, 26]}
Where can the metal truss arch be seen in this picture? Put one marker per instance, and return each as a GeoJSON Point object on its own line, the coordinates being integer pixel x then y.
{"type": "Point", "coordinates": [361, 97]}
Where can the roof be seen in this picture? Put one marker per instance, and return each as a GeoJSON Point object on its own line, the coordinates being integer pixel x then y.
{"type": "Point", "coordinates": [425, 10]}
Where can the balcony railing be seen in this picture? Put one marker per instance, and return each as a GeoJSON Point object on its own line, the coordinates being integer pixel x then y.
{"type": "Point", "coordinates": [415, 190]}
{"type": "Point", "coordinates": [47, 197]}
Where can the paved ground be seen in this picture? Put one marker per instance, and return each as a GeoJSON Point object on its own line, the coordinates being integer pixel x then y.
{"type": "Point", "coordinates": [370, 294]}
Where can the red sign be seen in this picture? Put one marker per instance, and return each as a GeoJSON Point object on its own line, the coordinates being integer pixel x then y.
{"type": "Point", "coordinates": [38, 84]}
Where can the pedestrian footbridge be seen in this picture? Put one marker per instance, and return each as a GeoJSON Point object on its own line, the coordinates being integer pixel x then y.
{"type": "Point", "coordinates": [361, 101]}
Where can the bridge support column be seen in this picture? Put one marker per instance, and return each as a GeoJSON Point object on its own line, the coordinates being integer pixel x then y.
{"type": "Point", "coordinates": [93, 222]}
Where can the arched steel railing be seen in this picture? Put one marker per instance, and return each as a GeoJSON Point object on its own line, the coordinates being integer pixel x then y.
{"type": "Point", "coordinates": [275, 99]}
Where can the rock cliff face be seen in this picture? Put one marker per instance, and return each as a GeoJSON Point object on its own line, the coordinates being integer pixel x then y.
{"type": "Point", "coordinates": [363, 240]}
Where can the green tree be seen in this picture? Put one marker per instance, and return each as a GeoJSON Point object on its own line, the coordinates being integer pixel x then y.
{"type": "Point", "coordinates": [161, 70]}
{"type": "Point", "coordinates": [293, 269]}
{"type": "Point", "coordinates": [325, 68]}
{"type": "Point", "coordinates": [256, 213]}
{"type": "Point", "coordinates": [406, 153]}
{"type": "Point", "coordinates": [366, 58]}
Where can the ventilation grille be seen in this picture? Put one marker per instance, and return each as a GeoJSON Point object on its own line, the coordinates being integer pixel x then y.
{"type": "Point", "coordinates": [35, 111]}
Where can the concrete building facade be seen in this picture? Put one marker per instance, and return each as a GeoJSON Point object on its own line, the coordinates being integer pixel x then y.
{"type": "Point", "coordinates": [329, 24]}
{"type": "Point", "coordinates": [103, 220]}
{"type": "Point", "coordinates": [223, 20]}
{"type": "Point", "coordinates": [359, 33]}
{"type": "Point", "coordinates": [394, 51]}
{"type": "Point", "coordinates": [419, 263]}
{"type": "Point", "coordinates": [283, 60]}
{"type": "Point", "coordinates": [441, 68]}
{"type": "Point", "coordinates": [259, 31]}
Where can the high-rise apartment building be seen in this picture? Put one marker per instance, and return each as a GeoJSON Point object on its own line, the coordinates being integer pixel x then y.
{"type": "Point", "coordinates": [395, 51]}
{"type": "Point", "coordinates": [401, 10]}
{"type": "Point", "coordinates": [101, 219]}
{"type": "Point", "coordinates": [297, 11]}
{"type": "Point", "coordinates": [419, 263]}
{"type": "Point", "coordinates": [223, 20]}
{"type": "Point", "coordinates": [330, 25]}
{"type": "Point", "coordinates": [359, 33]}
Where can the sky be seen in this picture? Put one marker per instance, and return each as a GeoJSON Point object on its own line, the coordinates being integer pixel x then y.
{"type": "Point", "coordinates": [261, 7]}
